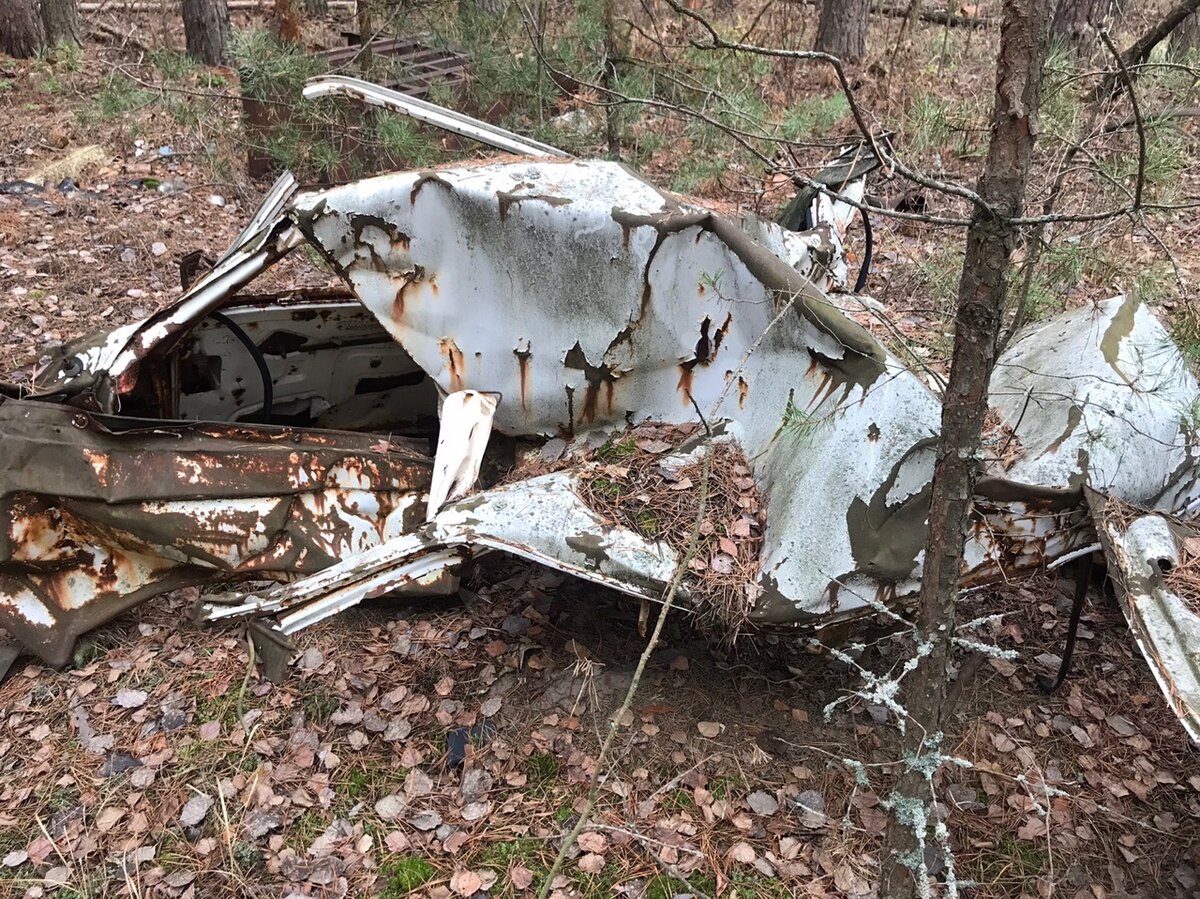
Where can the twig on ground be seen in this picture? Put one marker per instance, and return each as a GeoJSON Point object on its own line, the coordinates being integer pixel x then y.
{"type": "Point", "coordinates": [651, 645]}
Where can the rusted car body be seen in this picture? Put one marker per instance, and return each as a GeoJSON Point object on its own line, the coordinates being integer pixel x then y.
{"type": "Point", "coordinates": [535, 300]}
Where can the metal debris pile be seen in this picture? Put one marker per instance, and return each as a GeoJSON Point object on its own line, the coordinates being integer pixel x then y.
{"type": "Point", "coordinates": [646, 480]}
{"type": "Point", "coordinates": [554, 302]}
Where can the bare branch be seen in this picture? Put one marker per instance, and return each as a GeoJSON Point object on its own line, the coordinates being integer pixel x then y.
{"type": "Point", "coordinates": [1137, 118]}
{"type": "Point", "coordinates": [893, 163]}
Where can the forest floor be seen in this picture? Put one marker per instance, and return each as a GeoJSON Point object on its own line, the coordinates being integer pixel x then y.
{"type": "Point", "coordinates": [161, 764]}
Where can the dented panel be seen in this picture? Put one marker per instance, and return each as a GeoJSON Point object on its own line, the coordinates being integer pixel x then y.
{"type": "Point", "coordinates": [1102, 396]}
{"type": "Point", "coordinates": [591, 301]}
{"type": "Point", "coordinates": [97, 513]}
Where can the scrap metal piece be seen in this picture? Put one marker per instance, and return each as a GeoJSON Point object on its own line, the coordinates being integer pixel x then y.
{"type": "Point", "coordinates": [1102, 396]}
{"type": "Point", "coordinates": [466, 425]}
{"type": "Point", "coordinates": [429, 113]}
{"type": "Point", "coordinates": [97, 371]}
{"type": "Point", "coordinates": [98, 513]}
{"type": "Point", "coordinates": [1142, 547]}
{"type": "Point", "coordinates": [541, 519]}
{"type": "Point", "coordinates": [593, 302]}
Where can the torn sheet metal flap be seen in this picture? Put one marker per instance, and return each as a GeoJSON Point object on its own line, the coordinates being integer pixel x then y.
{"type": "Point", "coordinates": [541, 519]}
{"type": "Point", "coordinates": [1142, 548]}
{"type": "Point", "coordinates": [104, 368]}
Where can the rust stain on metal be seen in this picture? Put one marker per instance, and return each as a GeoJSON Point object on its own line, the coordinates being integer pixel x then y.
{"type": "Point", "coordinates": [507, 199]}
{"type": "Point", "coordinates": [684, 386]}
{"type": "Point", "coordinates": [523, 358]}
{"type": "Point", "coordinates": [596, 377]}
{"type": "Point", "coordinates": [99, 465]}
{"type": "Point", "coordinates": [456, 364]}
{"type": "Point", "coordinates": [426, 178]}
{"type": "Point", "coordinates": [416, 276]}
{"type": "Point", "coordinates": [151, 510]}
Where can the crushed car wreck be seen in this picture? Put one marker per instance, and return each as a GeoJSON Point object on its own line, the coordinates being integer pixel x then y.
{"type": "Point", "coordinates": [551, 309]}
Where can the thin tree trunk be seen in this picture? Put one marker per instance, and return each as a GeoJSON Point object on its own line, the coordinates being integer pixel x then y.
{"type": "Point", "coordinates": [286, 22]}
{"type": "Point", "coordinates": [206, 28]}
{"type": "Point", "coordinates": [364, 17]}
{"type": "Point", "coordinates": [1186, 36]}
{"type": "Point", "coordinates": [60, 19]}
{"type": "Point", "coordinates": [1076, 22]}
{"type": "Point", "coordinates": [1139, 51]}
{"type": "Point", "coordinates": [982, 292]}
{"type": "Point", "coordinates": [842, 29]}
{"type": "Point", "coordinates": [608, 78]}
{"type": "Point", "coordinates": [21, 30]}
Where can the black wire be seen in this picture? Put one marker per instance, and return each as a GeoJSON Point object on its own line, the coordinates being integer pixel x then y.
{"type": "Point", "coordinates": [865, 269]}
{"type": "Point", "coordinates": [244, 339]}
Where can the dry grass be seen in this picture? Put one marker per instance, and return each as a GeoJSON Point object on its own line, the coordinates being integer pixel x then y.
{"type": "Point", "coordinates": [1184, 578]}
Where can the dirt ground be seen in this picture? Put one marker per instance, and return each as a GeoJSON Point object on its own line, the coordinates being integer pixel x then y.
{"type": "Point", "coordinates": [442, 748]}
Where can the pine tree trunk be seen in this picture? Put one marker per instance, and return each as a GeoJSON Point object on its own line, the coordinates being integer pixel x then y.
{"type": "Point", "coordinates": [60, 19]}
{"type": "Point", "coordinates": [364, 18]}
{"type": "Point", "coordinates": [21, 30]}
{"type": "Point", "coordinates": [1076, 22]}
{"type": "Point", "coordinates": [286, 22]}
{"type": "Point", "coordinates": [1186, 36]}
{"type": "Point", "coordinates": [608, 77]}
{"type": "Point", "coordinates": [842, 30]}
{"type": "Point", "coordinates": [206, 28]}
{"type": "Point", "coordinates": [982, 292]}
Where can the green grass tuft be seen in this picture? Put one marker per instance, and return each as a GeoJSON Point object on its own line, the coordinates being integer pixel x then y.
{"type": "Point", "coordinates": [401, 876]}
{"type": "Point", "coordinates": [814, 116]}
{"type": "Point", "coordinates": [171, 64]}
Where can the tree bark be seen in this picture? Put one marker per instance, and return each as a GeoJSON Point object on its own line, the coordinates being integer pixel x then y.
{"type": "Point", "coordinates": [286, 22]}
{"type": "Point", "coordinates": [206, 29]}
{"type": "Point", "coordinates": [982, 293]}
{"type": "Point", "coordinates": [608, 77]}
{"type": "Point", "coordinates": [842, 29]}
{"type": "Point", "coordinates": [60, 19]}
{"type": "Point", "coordinates": [1186, 36]}
{"type": "Point", "coordinates": [1076, 22]}
{"type": "Point", "coordinates": [21, 30]}
{"type": "Point", "coordinates": [364, 18]}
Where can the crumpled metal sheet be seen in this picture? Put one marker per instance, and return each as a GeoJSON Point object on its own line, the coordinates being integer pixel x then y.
{"type": "Point", "coordinates": [99, 513]}
{"type": "Point", "coordinates": [1141, 547]}
{"type": "Point", "coordinates": [99, 370]}
{"type": "Point", "coordinates": [1102, 396]}
{"type": "Point", "coordinates": [593, 301]}
{"type": "Point", "coordinates": [541, 519]}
